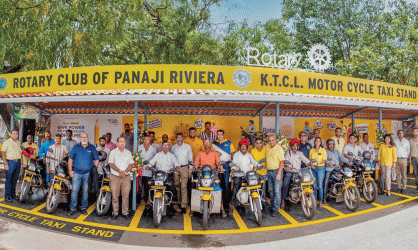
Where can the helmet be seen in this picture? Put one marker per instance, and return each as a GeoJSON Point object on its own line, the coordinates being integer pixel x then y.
{"type": "Point", "coordinates": [293, 141]}
{"type": "Point", "coordinates": [367, 155]}
{"type": "Point", "coordinates": [330, 141]}
{"type": "Point", "coordinates": [244, 141]}
{"type": "Point", "coordinates": [28, 152]}
{"type": "Point", "coordinates": [102, 156]}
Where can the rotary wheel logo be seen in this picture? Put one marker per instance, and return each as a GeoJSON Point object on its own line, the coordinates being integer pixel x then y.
{"type": "Point", "coordinates": [286, 131]}
{"type": "Point", "coordinates": [241, 78]}
{"type": "Point", "coordinates": [3, 83]}
{"type": "Point", "coordinates": [319, 57]}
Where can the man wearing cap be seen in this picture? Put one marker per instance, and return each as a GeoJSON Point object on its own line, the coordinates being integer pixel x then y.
{"type": "Point", "coordinates": [11, 155]}
{"type": "Point", "coordinates": [244, 162]}
{"type": "Point", "coordinates": [295, 158]}
{"type": "Point", "coordinates": [333, 160]}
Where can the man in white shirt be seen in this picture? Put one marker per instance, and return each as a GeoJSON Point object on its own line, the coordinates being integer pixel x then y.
{"type": "Point", "coordinates": [54, 156]}
{"type": "Point", "coordinates": [121, 163]}
{"type": "Point", "coordinates": [339, 140]}
{"type": "Point", "coordinates": [367, 146]}
{"type": "Point", "coordinates": [69, 142]}
{"type": "Point", "coordinates": [147, 153]}
{"type": "Point", "coordinates": [184, 155]}
{"type": "Point", "coordinates": [243, 161]}
{"type": "Point", "coordinates": [403, 148]}
{"type": "Point", "coordinates": [353, 148]}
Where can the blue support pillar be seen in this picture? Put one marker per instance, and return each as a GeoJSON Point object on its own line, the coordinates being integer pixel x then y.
{"type": "Point", "coordinates": [277, 118]}
{"type": "Point", "coordinates": [261, 121]}
{"type": "Point", "coordinates": [12, 113]}
{"type": "Point", "coordinates": [39, 121]}
{"type": "Point", "coordinates": [380, 120]}
{"type": "Point", "coordinates": [415, 121]}
{"type": "Point", "coordinates": [135, 151]}
{"type": "Point", "coordinates": [353, 120]}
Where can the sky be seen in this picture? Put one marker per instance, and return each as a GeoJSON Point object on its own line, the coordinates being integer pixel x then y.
{"type": "Point", "coordinates": [250, 10]}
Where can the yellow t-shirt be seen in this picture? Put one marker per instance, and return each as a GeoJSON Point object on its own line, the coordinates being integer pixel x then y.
{"type": "Point", "coordinates": [339, 143]}
{"type": "Point", "coordinates": [387, 155]}
{"type": "Point", "coordinates": [274, 156]}
{"type": "Point", "coordinates": [259, 155]}
{"type": "Point", "coordinates": [12, 149]}
{"type": "Point", "coordinates": [35, 149]}
{"type": "Point", "coordinates": [196, 144]}
{"type": "Point", "coordinates": [318, 156]}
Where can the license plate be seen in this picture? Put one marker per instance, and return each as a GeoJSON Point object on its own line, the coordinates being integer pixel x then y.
{"type": "Point", "coordinates": [158, 187]}
{"type": "Point", "coordinates": [59, 178]}
{"type": "Point", "coordinates": [307, 184]}
{"type": "Point", "coordinates": [253, 187]}
{"type": "Point", "coordinates": [206, 188]}
{"type": "Point", "coordinates": [350, 179]}
{"type": "Point", "coordinates": [30, 172]}
{"type": "Point", "coordinates": [368, 172]}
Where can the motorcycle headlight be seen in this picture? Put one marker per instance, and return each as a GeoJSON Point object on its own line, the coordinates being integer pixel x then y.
{"type": "Point", "coordinates": [368, 168]}
{"type": "Point", "coordinates": [61, 174]}
{"type": "Point", "coordinates": [349, 174]}
{"type": "Point", "coordinates": [306, 178]}
{"type": "Point", "coordinates": [159, 183]}
{"type": "Point", "coordinates": [32, 168]}
{"type": "Point", "coordinates": [253, 183]}
{"type": "Point", "coordinates": [206, 182]}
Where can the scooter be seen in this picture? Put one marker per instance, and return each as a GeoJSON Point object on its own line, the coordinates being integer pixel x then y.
{"type": "Point", "coordinates": [60, 185]}
{"type": "Point", "coordinates": [342, 186]}
{"type": "Point", "coordinates": [210, 194]}
{"type": "Point", "coordinates": [104, 199]}
{"type": "Point", "coordinates": [249, 195]}
{"type": "Point", "coordinates": [161, 198]}
{"type": "Point", "coordinates": [363, 170]}
{"type": "Point", "coordinates": [301, 189]}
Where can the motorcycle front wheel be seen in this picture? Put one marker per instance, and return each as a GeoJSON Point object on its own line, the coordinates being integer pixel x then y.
{"type": "Point", "coordinates": [157, 211]}
{"type": "Point", "coordinates": [103, 202]}
{"type": "Point", "coordinates": [257, 211]}
{"type": "Point", "coordinates": [370, 191]}
{"type": "Point", "coordinates": [308, 203]}
{"type": "Point", "coordinates": [351, 198]}
{"type": "Point", "coordinates": [53, 200]}
{"type": "Point", "coordinates": [205, 215]}
{"type": "Point", "coordinates": [24, 191]}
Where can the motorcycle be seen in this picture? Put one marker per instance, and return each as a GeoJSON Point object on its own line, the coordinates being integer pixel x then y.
{"type": "Point", "coordinates": [60, 185]}
{"type": "Point", "coordinates": [249, 195]}
{"type": "Point", "coordinates": [32, 178]}
{"type": "Point", "coordinates": [363, 171]}
{"type": "Point", "coordinates": [210, 195]}
{"type": "Point", "coordinates": [342, 186]}
{"type": "Point", "coordinates": [104, 199]}
{"type": "Point", "coordinates": [161, 198]}
{"type": "Point", "coordinates": [301, 189]}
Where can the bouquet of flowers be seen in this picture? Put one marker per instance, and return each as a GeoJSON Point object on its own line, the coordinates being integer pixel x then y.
{"type": "Point", "coordinates": [138, 163]}
{"type": "Point", "coordinates": [357, 135]}
{"type": "Point", "coordinates": [282, 141]}
{"type": "Point", "coordinates": [40, 129]}
{"type": "Point", "coordinates": [379, 137]}
{"type": "Point", "coordinates": [261, 135]}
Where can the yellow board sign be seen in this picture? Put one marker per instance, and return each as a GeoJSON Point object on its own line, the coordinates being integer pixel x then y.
{"type": "Point", "coordinates": [174, 76]}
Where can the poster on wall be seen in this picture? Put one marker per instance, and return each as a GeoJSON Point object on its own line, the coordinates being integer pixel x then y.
{"type": "Point", "coordinates": [362, 128]}
{"type": "Point", "coordinates": [287, 125]}
{"type": "Point", "coordinates": [408, 128]}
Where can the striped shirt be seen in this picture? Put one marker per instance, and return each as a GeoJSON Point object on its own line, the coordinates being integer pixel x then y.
{"type": "Point", "coordinates": [211, 136]}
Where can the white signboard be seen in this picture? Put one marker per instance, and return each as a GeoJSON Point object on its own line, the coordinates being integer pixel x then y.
{"type": "Point", "coordinates": [362, 128]}
{"type": "Point", "coordinates": [332, 125]}
{"type": "Point", "coordinates": [154, 124]}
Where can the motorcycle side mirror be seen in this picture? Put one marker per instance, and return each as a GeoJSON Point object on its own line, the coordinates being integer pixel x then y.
{"type": "Point", "coordinates": [286, 162]}
{"type": "Point", "coordinates": [50, 150]}
{"type": "Point", "coordinates": [313, 161]}
{"type": "Point", "coordinates": [221, 163]}
{"type": "Point", "coordinates": [232, 164]}
{"type": "Point", "coordinates": [146, 162]}
{"type": "Point", "coordinates": [262, 161]}
{"type": "Point", "coordinates": [350, 154]}
{"type": "Point", "coordinates": [191, 163]}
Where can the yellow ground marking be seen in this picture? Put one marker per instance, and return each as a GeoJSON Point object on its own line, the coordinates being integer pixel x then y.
{"type": "Point", "coordinates": [89, 211]}
{"type": "Point", "coordinates": [373, 203]}
{"type": "Point", "coordinates": [401, 195]}
{"type": "Point", "coordinates": [137, 216]}
{"type": "Point", "coordinates": [406, 185]}
{"type": "Point", "coordinates": [2, 199]}
{"type": "Point", "coordinates": [288, 217]}
{"type": "Point", "coordinates": [411, 178]}
{"type": "Point", "coordinates": [239, 221]}
{"type": "Point", "coordinates": [335, 211]}
{"type": "Point", "coordinates": [187, 220]}
{"type": "Point", "coordinates": [39, 208]}
{"type": "Point", "coordinates": [200, 232]}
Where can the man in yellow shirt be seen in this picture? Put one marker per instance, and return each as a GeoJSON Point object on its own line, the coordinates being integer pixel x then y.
{"type": "Point", "coordinates": [195, 143]}
{"type": "Point", "coordinates": [11, 155]}
{"type": "Point", "coordinates": [275, 162]}
{"type": "Point", "coordinates": [339, 140]}
{"type": "Point", "coordinates": [259, 153]}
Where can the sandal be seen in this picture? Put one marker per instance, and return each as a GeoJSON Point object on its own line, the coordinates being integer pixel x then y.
{"type": "Point", "coordinates": [223, 213]}
{"type": "Point", "coordinates": [231, 210]}
{"type": "Point", "coordinates": [282, 206]}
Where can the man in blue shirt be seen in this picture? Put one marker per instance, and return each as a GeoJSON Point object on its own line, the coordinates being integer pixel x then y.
{"type": "Point", "coordinates": [305, 147]}
{"type": "Point", "coordinates": [43, 150]}
{"type": "Point", "coordinates": [83, 157]}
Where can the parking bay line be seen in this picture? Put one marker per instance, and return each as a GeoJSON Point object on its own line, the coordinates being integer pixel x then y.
{"type": "Point", "coordinates": [137, 217]}
{"type": "Point", "coordinates": [187, 220]}
{"type": "Point", "coordinates": [288, 217]}
{"type": "Point", "coordinates": [406, 185]}
{"type": "Point", "coordinates": [239, 220]}
{"type": "Point", "coordinates": [39, 208]}
{"type": "Point", "coordinates": [335, 211]}
{"type": "Point", "coordinates": [89, 211]}
{"type": "Point", "coordinates": [373, 203]}
{"type": "Point", "coordinates": [401, 195]}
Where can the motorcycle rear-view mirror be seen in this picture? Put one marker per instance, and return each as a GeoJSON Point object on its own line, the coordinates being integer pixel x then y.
{"type": "Point", "coordinates": [191, 163]}
{"type": "Point", "coordinates": [286, 162]}
{"type": "Point", "coordinates": [50, 150]}
{"type": "Point", "coordinates": [232, 164]}
{"type": "Point", "coordinates": [146, 162]}
{"type": "Point", "coordinates": [221, 163]}
{"type": "Point", "coordinates": [262, 160]}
